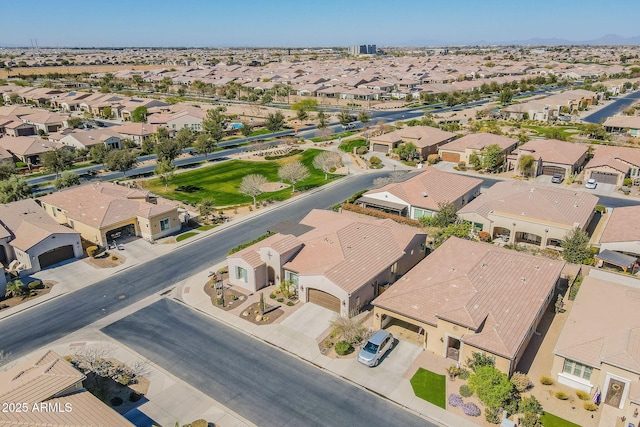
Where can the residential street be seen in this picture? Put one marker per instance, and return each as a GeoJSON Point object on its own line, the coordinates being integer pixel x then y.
{"type": "Point", "coordinates": [256, 380]}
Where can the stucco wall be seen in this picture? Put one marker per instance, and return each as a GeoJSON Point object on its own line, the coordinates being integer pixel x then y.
{"type": "Point", "coordinates": [323, 284]}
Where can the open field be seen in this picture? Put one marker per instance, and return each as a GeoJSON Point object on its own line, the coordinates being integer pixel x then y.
{"type": "Point", "coordinates": [73, 69]}
{"type": "Point", "coordinates": [220, 182]}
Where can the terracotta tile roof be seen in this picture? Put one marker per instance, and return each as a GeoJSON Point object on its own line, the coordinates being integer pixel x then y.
{"type": "Point", "coordinates": [596, 333]}
{"type": "Point", "coordinates": [138, 129]}
{"type": "Point", "coordinates": [27, 145]}
{"type": "Point", "coordinates": [623, 225]}
{"type": "Point", "coordinates": [44, 117]}
{"type": "Point", "coordinates": [439, 187]}
{"type": "Point", "coordinates": [493, 291]}
{"type": "Point", "coordinates": [280, 243]}
{"type": "Point", "coordinates": [632, 122]}
{"type": "Point", "coordinates": [425, 136]}
{"type": "Point", "coordinates": [618, 158]}
{"type": "Point", "coordinates": [479, 141]}
{"type": "Point", "coordinates": [554, 151]}
{"type": "Point", "coordinates": [542, 203]}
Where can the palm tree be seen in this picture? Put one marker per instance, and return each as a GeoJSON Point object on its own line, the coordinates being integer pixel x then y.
{"type": "Point", "coordinates": [15, 288]}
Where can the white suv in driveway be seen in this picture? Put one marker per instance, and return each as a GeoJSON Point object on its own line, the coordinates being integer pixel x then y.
{"type": "Point", "coordinates": [376, 348]}
{"type": "Point", "coordinates": [591, 184]}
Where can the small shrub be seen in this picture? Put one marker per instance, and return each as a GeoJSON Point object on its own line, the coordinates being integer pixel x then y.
{"type": "Point", "coordinates": [116, 401]}
{"type": "Point", "coordinates": [462, 166]}
{"type": "Point", "coordinates": [362, 150]}
{"type": "Point", "coordinates": [601, 209]}
{"type": "Point", "coordinates": [343, 347]}
{"type": "Point", "coordinates": [33, 293]}
{"type": "Point", "coordinates": [272, 296]}
{"type": "Point", "coordinates": [561, 395]}
{"type": "Point", "coordinates": [471, 409]}
{"type": "Point", "coordinates": [219, 301]}
{"type": "Point", "coordinates": [483, 236]}
{"type": "Point", "coordinates": [520, 381]}
{"type": "Point", "coordinates": [465, 391]}
{"type": "Point", "coordinates": [374, 160]}
{"type": "Point", "coordinates": [464, 373]}
{"type": "Point", "coordinates": [493, 415]}
{"type": "Point", "coordinates": [114, 258]}
{"type": "Point", "coordinates": [432, 159]}
{"type": "Point", "coordinates": [199, 423]}
{"type": "Point", "coordinates": [628, 182]}
{"type": "Point", "coordinates": [35, 284]}
{"type": "Point", "coordinates": [134, 397]}
{"type": "Point", "coordinates": [582, 395]}
{"type": "Point", "coordinates": [123, 379]}
{"type": "Point", "coordinates": [455, 400]}
{"type": "Point", "coordinates": [546, 380]}
{"type": "Point", "coordinates": [289, 304]}
{"type": "Point", "coordinates": [92, 251]}
{"type": "Point", "coordinates": [280, 300]}
{"type": "Point", "coordinates": [590, 406]}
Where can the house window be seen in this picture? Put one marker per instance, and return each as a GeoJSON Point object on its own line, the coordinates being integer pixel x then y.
{"type": "Point", "coordinates": [290, 276]}
{"type": "Point", "coordinates": [578, 369]}
{"type": "Point", "coordinates": [53, 211]}
{"type": "Point", "coordinates": [164, 224]}
{"type": "Point", "coordinates": [241, 274]}
{"type": "Point", "coordinates": [419, 213]}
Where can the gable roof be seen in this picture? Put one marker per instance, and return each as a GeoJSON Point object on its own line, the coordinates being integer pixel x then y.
{"type": "Point", "coordinates": [618, 158]}
{"type": "Point", "coordinates": [622, 226]}
{"type": "Point", "coordinates": [28, 145]}
{"type": "Point", "coordinates": [493, 291]}
{"type": "Point", "coordinates": [554, 150]}
{"type": "Point", "coordinates": [479, 141]}
{"type": "Point", "coordinates": [424, 136]}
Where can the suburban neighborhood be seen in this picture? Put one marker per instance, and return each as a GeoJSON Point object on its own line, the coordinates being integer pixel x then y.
{"type": "Point", "coordinates": [425, 233]}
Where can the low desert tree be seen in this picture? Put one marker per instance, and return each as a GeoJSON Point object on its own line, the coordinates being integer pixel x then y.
{"type": "Point", "coordinates": [364, 117]}
{"type": "Point", "coordinates": [98, 153]}
{"type": "Point", "coordinates": [67, 179]}
{"type": "Point", "coordinates": [15, 289]}
{"type": "Point", "coordinates": [74, 122]}
{"type": "Point", "coordinates": [492, 157]}
{"type": "Point", "coordinates": [246, 129]}
{"type": "Point", "coordinates": [206, 207]}
{"type": "Point", "coordinates": [204, 145]}
{"type": "Point", "coordinates": [7, 169]}
{"type": "Point", "coordinates": [525, 164]}
{"type": "Point", "coordinates": [185, 138]}
{"type": "Point", "coordinates": [406, 151]}
{"type": "Point", "coordinates": [275, 121]}
{"type": "Point", "coordinates": [327, 161]}
{"type": "Point", "coordinates": [120, 160]}
{"type": "Point", "coordinates": [148, 145]}
{"type": "Point", "coordinates": [446, 215]}
{"type": "Point", "coordinates": [14, 188]}
{"type": "Point", "coordinates": [139, 114]}
{"type": "Point", "coordinates": [251, 185]}
{"type": "Point", "coordinates": [107, 112]}
{"type": "Point", "coordinates": [57, 160]}
{"type": "Point", "coordinates": [323, 120]}
{"type": "Point", "coordinates": [344, 117]}
{"type": "Point", "coordinates": [293, 173]}
{"type": "Point", "coordinates": [167, 149]}
{"type": "Point", "coordinates": [491, 386]}
{"type": "Point", "coordinates": [212, 124]}
{"type": "Point", "coordinates": [479, 359]}
{"type": "Point", "coordinates": [575, 247]}
{"type": "Point", "coordinates": [348, 327]}
{"type": "Point", "coordinates": [165, 170]}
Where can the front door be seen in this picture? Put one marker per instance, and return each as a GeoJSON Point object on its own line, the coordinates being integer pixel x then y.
{"type": "Point", "coordinates": [453, 348]}
{"type": "Point", "coordinates": [614, 393]}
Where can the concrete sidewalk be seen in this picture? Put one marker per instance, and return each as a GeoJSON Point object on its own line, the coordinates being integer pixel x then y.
{"type": "Point", "coordinates": [297, 333]}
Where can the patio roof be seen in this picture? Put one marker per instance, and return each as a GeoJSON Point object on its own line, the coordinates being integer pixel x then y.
{"type": "Point", "coordinates": [616, 258]}
{"type": "Point", "coordinates": [289, 227]}
{"type": "Point", "coordinates": [383, 204]}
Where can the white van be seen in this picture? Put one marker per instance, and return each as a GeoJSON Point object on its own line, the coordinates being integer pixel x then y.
{"type": "Point", "coordinates": [349, 126]}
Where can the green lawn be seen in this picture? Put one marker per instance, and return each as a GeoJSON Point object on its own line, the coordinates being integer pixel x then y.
{"type": "Point", "coordinates": [206, 227]}
{"type": "Point", "coordinates": [552, 132]}
{"type": "Point", "coordinates": [220, 182]}
{"type": "Point", "coordinates": [550, 420]}
{"type": "Point", "coordinates": [260, 132]}
{"type": "Point", "coordinates": [335, 136]}
{"type": "Point", "coordinates": [348, 146]}
{"type": "Point", "coordinates": [430, 386]}
{"type": "Point", "coordinates": [184, 236]}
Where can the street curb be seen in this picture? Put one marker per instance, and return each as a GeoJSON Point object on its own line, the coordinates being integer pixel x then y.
{"type": "Point", "coordinates": [2, 317]}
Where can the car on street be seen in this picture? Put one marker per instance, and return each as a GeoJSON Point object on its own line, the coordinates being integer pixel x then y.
{"type": "Point", "coordinates": [556, 178]}
{"type": "Point", "coordinates": [591, 184]}
{"type": "Point", "coordinates": [375, 348]}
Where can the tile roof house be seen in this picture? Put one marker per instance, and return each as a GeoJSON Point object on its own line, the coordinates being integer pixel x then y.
{"type": "Point", "coordinates": [137, 132]}
{"type": "Point", "coordinates": [488, 300]}
{"type": "Point", "coordinates": [13, 126]}
{"type": "Point", "coordinates": [519, 212]}
{"type": "Point", "coordinates": [45, 121]}
{"type": "Point", "coordinates": [426, 139]}
{"type": "Point", "coordinates": [621, 232]}
{"type": "Point", "coordinates": [86, 139]}
{"type": "Point", "coordinates": [623, 124]}
{"type": "Point", "coordinates": [30, 236]}
{"type": "Point", "coordinates": [49, 391]}
{"type": "Point", "coordinates": [599, 345]}
{"type": "Point", "coordinates": [103, 212]}
{"type": "Point", "coordinates": [189, 117]}
{"type": "Point", "coordinates": [551, 156]}
{"type": "Point", "coordinates": [422, 194]}
{"type": "Point", "coordinates": [611, 165]}
{"type": "Point", "coordinates": [28, 149]}
{"type": "Point", "coordinates": [460, 149]}
{"type": "Point", "coordinates": [342, 262]}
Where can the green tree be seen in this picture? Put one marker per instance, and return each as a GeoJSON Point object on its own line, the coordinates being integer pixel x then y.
{"type": "Point", "coordinates": [323, 121]}
{"type": "Point", "coordinates": [406, 151]}
{"type": "Point", "coordinates": [148, 145]}
{"type": "Point", "coordinates": [344, 117]}
{"type": "Point", "coordinates": [139, 114]}
{"type": "Point", "coordinates": [121, 160]}
{"type": "Point", "coordinates": [530, 420]}
{"type": "Point", "coordinates": [461, 230]}
{"type": "Point", "coordinates": [98, 153]}
{"type": "Point", "coordinates": [165, 171]}
{"type": "Point", "coordinates": [212, 124]}
{"type": "Point", "coordinates": [246, 129]}
{"type": "Point", "coordinates": [530, 405]}
{"type": "Point", "coordinates": [303, 107]}
{"type": "Point", "coordinates": [199, 86]}
{"type": "Point", "coordinates": [491, 386]}
{"type": "Point", "coordinates": [167, 149]}
{"type": "Point", "coordinates": [57, 160]}
{"type": "Point", "coordinates": [478, 359]}
{"type": "Point", "coordinates": [575, 247]}
{"type": "Point", "coordinates": [293, 173]}
{"type": "Point", "coordinates": [67, 179]}
{"type": "Point", "coordinates": [492, 157]}
{"type": "Point", "coordinates": [364, 117]}
{"type": "Point", "coordinates": [14, 188]}
{"type": "Point", "coordinates": [204, 145]}
{"type": "Point", "coordinates": [106, 113]}
{"type": "Point", "coordinates": [205, 207]}
{"type": "Point", "coordinates": [7, 168]}
{"type": "Point", "coordinates": [185, 138]}
{"type": "Point", "coordinates": [137, 80]}
{"type": "Point", "coordinates": [251, 185]}
{"type": "Point", "coordinates": [447, 215]}
{"type": "Point", "coordinates": [74, 122]}
{"type": "Point", "coordinates": [525, 164]}
{"type": "Point", "coordinates": [275, 121]}
{"type": "Point", "coordinates": [506, 96]}
{"type": "Point", "coordinates": [15, 289]}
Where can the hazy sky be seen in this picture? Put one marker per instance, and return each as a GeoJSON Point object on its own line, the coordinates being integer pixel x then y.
{"type": "Point", "coordinates": [300, 23]}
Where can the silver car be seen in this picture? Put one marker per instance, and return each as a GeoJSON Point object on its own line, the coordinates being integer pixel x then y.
{"type": "Point", "coordinates": [376, 348]}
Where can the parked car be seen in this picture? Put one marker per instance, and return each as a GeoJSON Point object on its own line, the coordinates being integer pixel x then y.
{"type": "Point", "coordinates": [591, 184]}
{"type": "Point", "coordinates": [556, 178]}
{"type": "Point", "coordinates": [375, 348]}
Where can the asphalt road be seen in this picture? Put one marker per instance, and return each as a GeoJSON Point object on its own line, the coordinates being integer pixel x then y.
{"type": "Point", "coordinates": [255, 380]}
{"type": "Point", "coordinates": [40, 325]}
{"type": "Point", "coordinates": [613, 108]}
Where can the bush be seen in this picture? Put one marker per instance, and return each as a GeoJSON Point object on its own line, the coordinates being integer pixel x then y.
{"type": "Point", "coordinates": [272, 296]}
{"type": "Point", "coordinates": [374, 160]}
{"type": "Point", "coordinates": [493, 415]}
{"type": "Point", "coordinates": [462, 166]}
{"type": "Point", "coordinates": [282, 156]}
{"type": "Point", "coordinates": [520, 381]}
{"type": "Point", "coordinates": [35, 284]}
{"type": "Point", "coordinates": [92, 251]}
{"type": "Point", "coordinates": [463, 373]}
{"type": "Point", "coordinates": [530, 405]}
{"type": "Point", "coordinates": [280, 300]}
{"type": "Point", "coordinates": [432, 159]}
{"type": "Point", "coordinates": [116, 401]}
{"type": "Point", "coordinates": [455, 400]}
{"type": "Point", "coordinates": [546, 381]}
{"type": "Point", "coordinates": [379, 214]}
{"type": "Point", "coordinates": [471, 409]}
{"type": "Point", "coordinates": [134, 397]}
{"type": "Point", "coordinates": [601, 209]}
{"type": "Point", "coordinates": [199, 423]}
{"type": "Point", "coordinates": [219, 300]}
{"type": "Point", "coordinates": [361, 151]}
{"type": "Point", "coordinates": [465, 391]}
{"type": "Point", "coordinates": [114, 258]}
{"type": "Point", "coordinates": [590, 406]}
{"type": "Point", "coordinates": [484, 236]}
{"type": "Point", "coordinates": [582, 395]}
{"type": "Point", "coordinates": [290, 304]}
{"type": "Point", "coordinates": [343, 347]}
{"type": "Point", "coordinates": [628, 182]}
{"type": "Point", "coordinates": [561, 395]}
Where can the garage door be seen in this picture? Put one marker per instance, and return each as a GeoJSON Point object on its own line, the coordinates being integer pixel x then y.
{"type": "Point", "coordinates": [451, 157]}
{"type": "Point", "coordinates": [323, 299]}
{"type": "Point", "coordinates": [605, 178]}
{"type": "Point", "coordinates": [55, 256]}
{"type": "Point", "coordinates": [552, 170]}
{"type": "Point", "coordinates": [380, 148]}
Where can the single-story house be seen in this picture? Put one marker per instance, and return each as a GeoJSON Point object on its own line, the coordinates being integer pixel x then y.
{"type": "Point", "coordinates": [190, 118]}
{"type": "Point", "coordinates": [611, 165]}
{"type": "Point", "coordinates": [49, 391]}
{"type": "Point", "coordinates": [422, 194]}
{"type": "Point", "coordinates": [621, 232]}
{"type": "Point", "coordinates": [13, 126]}
{"type": "Point", "coordinates": [103, 212]}
{"type": "Point", "coordinates": [468, 297]}
{"type": "Point", "coordinates": [30, 236]}
{"type": "Point", "coordinates": [137, 132]}
{"type": "Point", "coordinates": [460, 149]}
{"type": "Point", "coordinates": [552, 156]}
{"type": "Point", "coordinates": [598, 348]}
{"type": "Point", "coordinates": [28, 149]}
{"type": "Point", "coordinates": [86, 139]}
{"type": "Point", "coordinates": [426, 139]}
{"type": "Point", "coordinates": [623, 124]}
{"type": "Point", "coordinates": [45, 121]}
{"type": "Point", "coordinates": [519, 212]}
{"type": "Point", "coordinates": [341, 261]}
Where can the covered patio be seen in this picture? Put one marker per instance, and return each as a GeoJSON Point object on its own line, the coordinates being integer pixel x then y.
{"type": "Point", "coordinates": [616, 259]}
{"type": "Point", "coordinates": [382, 205]}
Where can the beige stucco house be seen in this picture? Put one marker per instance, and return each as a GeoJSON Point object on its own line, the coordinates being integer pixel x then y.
{"type": "Point", "coordinates": [598, 346]}
{"type": "Point", "coordinates": [340, 261]}
{"type": "Point", "coordinates": [611, 165]}
{"type": "Point", "coordinates": [519, 212]}
{"type": "Point", "coordinates": [426, 139]}
{"type": "Point", "coordinates": [468, 297]}
{"type": "Point", "coordinates": [621, 232]}
{"type": "Point", "coordinates": [103, 212]}
{"type": "Point", "coordinates": [551, 156]}
{"type": "Point", "coordinates": [460, 149]}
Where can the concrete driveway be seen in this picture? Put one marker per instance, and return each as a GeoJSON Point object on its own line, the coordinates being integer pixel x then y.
{"type": "Point", "coordinates": [310, 320]}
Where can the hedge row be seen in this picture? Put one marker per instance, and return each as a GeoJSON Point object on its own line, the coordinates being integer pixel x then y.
{"type": "Point", "coordinates": [379, 214]}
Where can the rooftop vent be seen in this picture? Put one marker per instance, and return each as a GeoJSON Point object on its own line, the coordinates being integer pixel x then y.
{"type": "Point", "coordinates": [424, 194]}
